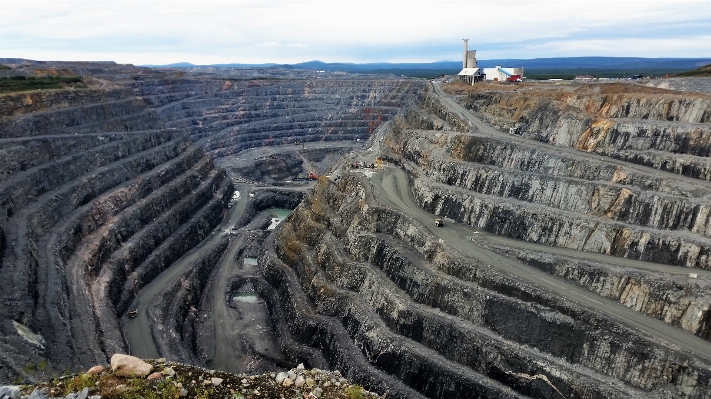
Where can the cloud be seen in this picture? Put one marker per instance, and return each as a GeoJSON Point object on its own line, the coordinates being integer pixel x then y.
{"type": "Point", "coordinates": [350, 31]}
{"type": "Point", "coordinates": [268, 44]}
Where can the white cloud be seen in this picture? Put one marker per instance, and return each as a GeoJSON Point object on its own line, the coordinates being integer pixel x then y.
{"type": "Point", "coordinates": [268, 44]}
{"type": "Point", "coordinates": [345, 30]}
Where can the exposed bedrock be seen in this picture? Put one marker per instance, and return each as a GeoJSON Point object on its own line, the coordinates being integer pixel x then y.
{"type": "Point", "coordinates": [350, 271]}
{"type": "Point", "coordinates": [537, 194]}
{"type": "Point", "coordinates": [678, 300]}
{"type": "Point", "coordinates": [226, 117]}
{"type": "Point", "coordinates": [663, 129]}
{"type": "Point", "coordinates": [92, 207]}
{"type": "Point", "coordinates": [174, 312]}
{"type": "Point", "coordinates": [283, 167]}
{"type": "Point", "coordinates": [269, 198]}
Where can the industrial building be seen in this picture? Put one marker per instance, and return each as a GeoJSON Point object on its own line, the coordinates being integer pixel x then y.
{"type": "Point", "coordinates": [471, 73]}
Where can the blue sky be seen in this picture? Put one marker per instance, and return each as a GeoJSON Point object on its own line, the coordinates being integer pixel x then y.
{"type": "Point", "coordinates": [208, 32]}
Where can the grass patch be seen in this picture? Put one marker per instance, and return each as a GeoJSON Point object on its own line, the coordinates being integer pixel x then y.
{"type": "Point", "coordinates": [4, 67]}
{"type": "Point", "coordinates": [703, 71]}
{"type": "Point", "coordinates": [24, 83]}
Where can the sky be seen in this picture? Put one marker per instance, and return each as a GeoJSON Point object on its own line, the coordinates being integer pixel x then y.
{"type": "Point", "coordinates": [211, 32]}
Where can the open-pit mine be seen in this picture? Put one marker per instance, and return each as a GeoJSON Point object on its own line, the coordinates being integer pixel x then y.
{"type": "Point", "coordinates": [504, 240]}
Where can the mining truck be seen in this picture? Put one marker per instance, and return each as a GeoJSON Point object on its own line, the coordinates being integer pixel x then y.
{"type": "Point", "coordinates": [438, 222]}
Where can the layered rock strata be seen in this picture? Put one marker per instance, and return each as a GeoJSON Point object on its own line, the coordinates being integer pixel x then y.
{"type": "Point", "coordinates": [536, 193]}
{"type": "Point", "coordinates": [366, 289]}
{"type": "Point", "coordinates": [663, 129]}
{"type": "Point", "coordinates": [225, 117]}
{"type": "Point", "coordinates": [95, 200]}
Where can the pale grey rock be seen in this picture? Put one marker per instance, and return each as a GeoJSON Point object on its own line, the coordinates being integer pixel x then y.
{"type": "Point", "coordinates": [10, 392]}
{"type": "Point", "coordinates": [129, 366]}
{"type": "Point", "coordinates": [281, 377]}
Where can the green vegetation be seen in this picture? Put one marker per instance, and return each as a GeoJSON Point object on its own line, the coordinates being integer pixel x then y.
{"type": "Point", "coordinates": [570, 74]}
{"type": "Point", "coordinates": [78, 383]}
{"type": "Point", "coordinates": [24, 83]}
{"type": "Point", "coordinates": [355, 392]}
{"type": "Point", "coordinates": [703, 71]}
{"type": "Point", "coordinates": [4, 67]}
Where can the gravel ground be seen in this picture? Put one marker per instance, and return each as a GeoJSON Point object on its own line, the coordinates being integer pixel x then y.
{"type": "Point", "coordinates": [175, 380]}
{"type": "Point", "coordinates": [700, 85]}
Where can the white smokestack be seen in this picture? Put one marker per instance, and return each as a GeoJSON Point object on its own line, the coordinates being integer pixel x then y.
{"type": "Point", "coordinates": [464, 59]}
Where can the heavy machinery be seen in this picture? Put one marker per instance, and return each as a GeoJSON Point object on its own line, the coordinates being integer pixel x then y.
{"type": "Point", "coordinates": [438, 222]}
{"type": "Point", "coordinates": [133, 313]}
{"type": "Point", "coordinates": [312, 176]}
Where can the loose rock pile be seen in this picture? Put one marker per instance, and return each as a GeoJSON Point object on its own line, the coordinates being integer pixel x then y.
{"type": "Point", "coordinates": [130, 377]}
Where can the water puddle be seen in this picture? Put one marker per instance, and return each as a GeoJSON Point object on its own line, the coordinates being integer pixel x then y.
{"type": "Point", "coordinates": [250, 261]}
{"type": "Point", "coordinates": [245, 297]}
{"type": "Point", "coordinates": [278, 215]}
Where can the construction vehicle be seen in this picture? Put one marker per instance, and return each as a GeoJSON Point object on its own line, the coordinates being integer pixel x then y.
{"type": "Point", "coordinates": [312, 176]}
{"type": "Point", "coordinates": [438, 222]}
{"type": "Point", "coordinates": [133, 313]}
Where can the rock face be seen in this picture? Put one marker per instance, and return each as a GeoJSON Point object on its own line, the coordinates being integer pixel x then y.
{"type": "Point", "coordinates": [101, 189]}
{"type": "Point", "coordinates": [662, 129]}
{"type": "Point", "coordinates": [225, 119]}
{"type": "Point", "coordinates": [129, 366]}
{"type": "Point", "coordinates": [95, 201]}
{"type": "Point", "coordinates": [538, 193]}
{"type": "Point", "coordinates": [357, 284]}
{"type": "Point", "coordinates": [378, 298]}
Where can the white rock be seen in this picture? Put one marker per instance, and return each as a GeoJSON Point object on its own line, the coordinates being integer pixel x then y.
{"type": "Point", "coordinates": [280, 377]}
{"type": "Point", "coordinates": [216, 381]}
{"type": "Point", "coordinates": [129, 366]}
{"type": "Point", "coordinates": [299, 381]}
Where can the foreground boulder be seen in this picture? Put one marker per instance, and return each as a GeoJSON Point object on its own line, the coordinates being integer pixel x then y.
{"type": "Point", "coordinates": [129, 366]}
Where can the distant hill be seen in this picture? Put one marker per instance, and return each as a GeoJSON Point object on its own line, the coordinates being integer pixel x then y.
{"type": "Point", "coordinates": [537, 68]}
{"type": "Point", "coordinates": [703, 71]}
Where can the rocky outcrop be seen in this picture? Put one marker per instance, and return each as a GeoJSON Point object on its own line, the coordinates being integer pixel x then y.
{"type": "Point", "coordinates": [94, 203]}
{"type": "Point", "coordinates": [226, 117]}
{"type": "Point", "coordinates": [410, 303]}
{"type": "Point", "coordinates": [537, 194]}
{"type": "Point", "coordinates": [681, 301]}
{"type": "Point", "coordinates": [174, 312]}
{"type": "Point", "coordinates": [663, 129]}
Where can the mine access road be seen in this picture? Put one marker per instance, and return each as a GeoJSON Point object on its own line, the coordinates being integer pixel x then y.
{"type": "Point", "coordinates": [392, 188]}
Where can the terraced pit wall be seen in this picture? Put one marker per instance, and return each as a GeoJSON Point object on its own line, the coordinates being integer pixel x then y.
{"type": "Point", "coordinates": [663, 129]}
{"type": "Point", "coordinates": [366, 289]}
{"type": "Point", "coordinates": [226, 117]}
{"type": "Point", "coordinates": [539, 194]}
{"type": "Point", "coordinates": [96, 198]}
